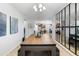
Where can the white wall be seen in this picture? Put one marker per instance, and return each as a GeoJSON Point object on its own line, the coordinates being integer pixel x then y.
{"type": "Point", "coordinates": [8, 42]}
{"type": "Point", "coordinates": [53, 27]}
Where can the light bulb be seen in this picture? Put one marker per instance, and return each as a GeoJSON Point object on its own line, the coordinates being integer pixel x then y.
{"type": "Point", "coordinates": [35, 8]}
{"type": "Point", "coordinates": [40, 5]}
{"type": "Point", "coordinates": [40, 10]}
{"type": "Point", "coordinates": [44, 8]}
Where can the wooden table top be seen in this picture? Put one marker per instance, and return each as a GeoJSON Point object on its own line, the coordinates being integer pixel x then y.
{"type": "Point", "coordinates": [45, 39]}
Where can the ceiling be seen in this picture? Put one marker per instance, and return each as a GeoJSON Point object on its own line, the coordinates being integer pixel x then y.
{"type": "Point", "coordinates": [27, 10]}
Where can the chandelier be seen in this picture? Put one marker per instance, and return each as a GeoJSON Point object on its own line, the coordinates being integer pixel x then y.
{"type": "Point", "coordinates": [39, 8]}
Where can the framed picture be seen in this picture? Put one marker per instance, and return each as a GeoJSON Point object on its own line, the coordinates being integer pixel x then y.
{"type": "Point", "coordinates": [3, 22]}
{"type": "Point", "coordinates": [13, 25]}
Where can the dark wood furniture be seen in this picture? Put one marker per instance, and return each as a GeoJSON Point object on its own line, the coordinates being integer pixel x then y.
{"type": "Point", "coordinates": [38, 50]}
{"type": "Point", "coordinates": [43, 46]}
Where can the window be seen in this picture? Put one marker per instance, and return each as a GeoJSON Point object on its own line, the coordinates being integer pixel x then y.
{"type": "Point", "coordinates": [57, 27]}
{"type": "Point", "coordinates": [69, 31]}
